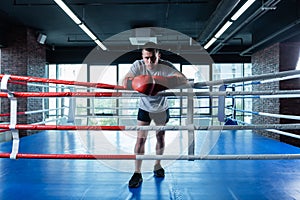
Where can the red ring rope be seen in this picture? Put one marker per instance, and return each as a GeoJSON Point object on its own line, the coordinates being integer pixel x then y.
{"type": "Point", "coordinates": [61, 127]}
{"type": "Point", "coordinates": [154, 157]}
{"type": "Point", "coordinates": [69, 156]}
{"type": "Point", "coordinates": [8, 114]}
{"type": "Point", "coordinates": [55, 81]}
{"type": "Point", "coordinates": [62, 94]}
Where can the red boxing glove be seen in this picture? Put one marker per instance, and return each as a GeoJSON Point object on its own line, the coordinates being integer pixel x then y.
{"type": "Point", "coordinates": [151, 85]}
{"type": "Point", "coordinates": [143, 84]}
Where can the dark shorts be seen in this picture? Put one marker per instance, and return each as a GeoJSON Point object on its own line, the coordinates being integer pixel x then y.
{"type": "Point", "coordinates": [158, 118]}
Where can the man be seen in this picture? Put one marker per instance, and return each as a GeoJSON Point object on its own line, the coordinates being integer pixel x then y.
{"type": "Point", "coordinates": [150, 76]}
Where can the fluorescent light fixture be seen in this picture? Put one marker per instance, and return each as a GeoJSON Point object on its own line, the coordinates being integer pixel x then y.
{"type": "Point", "coordinates": [100, 44]}
{"type": "Point", "coordinates": [141, 36]}
{"type": "Point", "coordinates": [212, 40]}
{"type": "Point", "coordinates": [142, 40]}
{"type": "Point", "coordinates": [242, 10]}
{"type": "Point", "coordinates": [88, 31]}
{"type": "Point", "coordinates": [223, 29]}
{"type": "Point", "coordinates": [228, 23]}
{"type": "Point", "coordinates": [68, 11]}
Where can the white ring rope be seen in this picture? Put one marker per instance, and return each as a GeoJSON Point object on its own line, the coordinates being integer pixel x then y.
{"type": "Point", "coordinates": [265, 81]}
{"type": "Point", "coordinates": [280, 79]}
{"type": "Point", "coordinates": [220, 157]}
{"type": "Point", "coordinates": [275, 131]}
{"type": "Point", "coordinates": [248, 78]}
{"type": "Point", "coordinates": [267, 114]}
{"type": "Point", "coordinates": [222, 93]}
{"type": "Point", "coordinates": [64, 118]}
{"type": "Point", "coordinates": [45, 110]}
{"type": "Point", "coordinates": [215, 127]}
{"type": "Point", "coordinates": [283, 133]}
{"type": "Point", "coordinates": [283, 93]}
{"type": "Point", "coordinates": [279, 116]}
{"type": "Point", "coordinates": [279, 96]}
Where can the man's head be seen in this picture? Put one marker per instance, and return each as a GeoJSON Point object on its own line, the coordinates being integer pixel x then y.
{"type": "Point", "coordinates": [150, 55]}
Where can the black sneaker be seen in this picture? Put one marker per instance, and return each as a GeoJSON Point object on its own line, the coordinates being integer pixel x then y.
{"type": "Point", "coordinates": [135, 180]}
{"type": "Point", "coordinates": [159, 171]}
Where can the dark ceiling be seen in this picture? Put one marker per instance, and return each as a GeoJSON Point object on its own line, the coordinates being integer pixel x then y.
{"type": "Point", "coordinates": [266, 22]}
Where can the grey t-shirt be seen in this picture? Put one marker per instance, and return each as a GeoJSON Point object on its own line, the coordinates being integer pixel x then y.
{"type": "Point", "coordinates": [164, 68]}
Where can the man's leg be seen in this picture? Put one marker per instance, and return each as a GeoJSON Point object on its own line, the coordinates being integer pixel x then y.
{"type": "Point", "coordinates": [160, 119]}
{"type": "Point", "coordinates": [160, 147]}
{"type": "Point", "coordinates": [139, 148]}
{"type": "Point", "coordinates": [160, 144]}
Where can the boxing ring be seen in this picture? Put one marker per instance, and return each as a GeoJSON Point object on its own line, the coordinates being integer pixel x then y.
{"type": "Point", "coordinates": [218, 161]}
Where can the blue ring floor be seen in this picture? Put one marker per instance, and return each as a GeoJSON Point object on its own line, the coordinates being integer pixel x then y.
{"type": "Point", "coordinates": [200, 179]}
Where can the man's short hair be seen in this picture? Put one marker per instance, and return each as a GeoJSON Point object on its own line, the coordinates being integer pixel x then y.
{"type": "Point", "coordinates": [150, 47]}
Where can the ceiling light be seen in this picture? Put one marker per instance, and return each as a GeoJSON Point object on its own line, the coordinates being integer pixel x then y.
{"type": "Point", "coordinates": [212, 40]}
{"type": "Point", "coordinates": [223, 29]}
{"type": "Point", "coordinates": [88, 31]}
{"type": "Point", "coordinates": [100, 44]}
{"type": "Point", "coordinates": [142, 40]}
{"type": "Point", "coordinates": [228, 23]}
{"type": "Point", "coordinates": [242, 10]}
{"type": "Point", "coordinates": [141, 36]}
{"type": "Point", "coordinates": [68, 11]}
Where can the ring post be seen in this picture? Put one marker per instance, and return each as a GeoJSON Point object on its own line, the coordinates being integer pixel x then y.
{"type": "Point", "coordinates": [221, 104]}
{"type": "Point", "coordinates": [233, 102]}
{"type": "Point", "coordinates": [72, 107]}
{"type": "Point", "coordinates": [190, 122]}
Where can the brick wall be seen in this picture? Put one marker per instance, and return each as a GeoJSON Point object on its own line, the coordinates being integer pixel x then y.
{"type": "Point", "coordinates": [36, 61]}
{"type": "Point", "coordinates": [263, 62]}
{"type": "Point", "coordinates": [277, 58]}
{"type": "Point", "coordinates": [289, 55]}
{"type": "Point", "coordinates": [23, 56]}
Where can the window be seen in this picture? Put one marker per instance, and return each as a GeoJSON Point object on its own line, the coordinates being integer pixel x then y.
{"type": "Point", "coordinates": [128, 105]}
{"type": "Point", "coordinates": [103, 107]}
{"type": "Point", "coordinates": [52, 88]}
{"type": "Point", "coordinates": [233, 70]}
{"type": "Point", "coordinates": [60, 106]}
{"type": "Point", "coordinates": [247, 102]}
{"type": "Point", "coordinates": [175, 105]}
{"type": "Point", "coordinates": [198, 73]}
{"type": "Point", "coordinates": [298, 63]}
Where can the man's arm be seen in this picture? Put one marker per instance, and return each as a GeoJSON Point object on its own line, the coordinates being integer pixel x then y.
{"type": "Point", "coordinates": [127, 81]}
{"type": "Point", "coordinates": [151, 85]}
{"type": "Point", "coordinates": [181, 78]}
